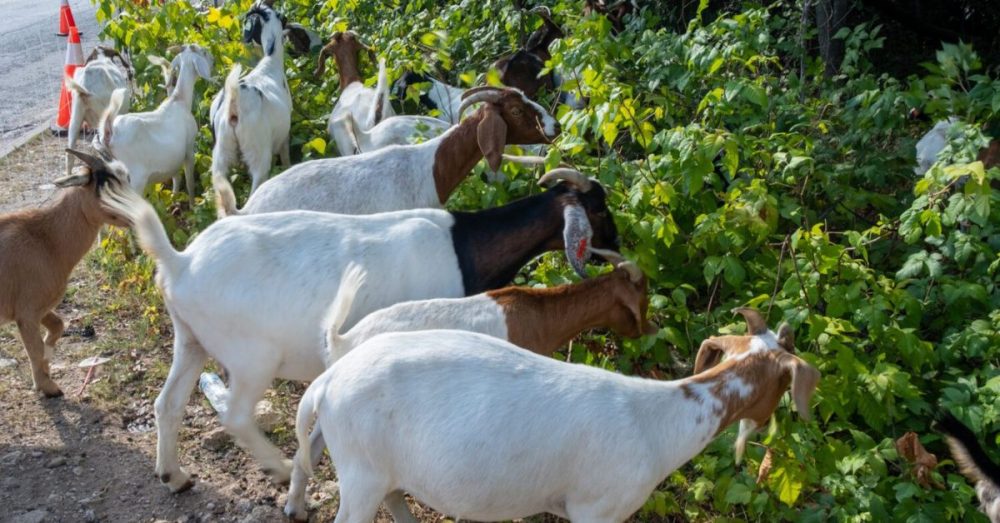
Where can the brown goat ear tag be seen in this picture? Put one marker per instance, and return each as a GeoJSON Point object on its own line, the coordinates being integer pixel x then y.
{"type": "Point", "coordinates": [492, 137]}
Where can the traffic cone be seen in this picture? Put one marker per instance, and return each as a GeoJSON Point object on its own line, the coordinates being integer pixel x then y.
{"type": "Point", "coordinates": [74, 59]}
{"type": "Point", "coordinates": [65, 18]}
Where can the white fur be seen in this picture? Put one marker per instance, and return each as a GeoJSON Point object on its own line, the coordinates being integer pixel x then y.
{"type": "Point", "coordinates": [91, 88]}
{"type": "Point", "coordinates": [260, 106]}
{"type": "Point", "coordinates": [931, 145]}
{"type": "Point", "coordinates": [362, 103]}
{"type": "Point", "coordinates": [155, 145]}
{"type": "Point", "coordinates": [446, 98]}
{"type": "Point", "coordinates": [480, 429]}
{"type": "Point", "coordinates": [395, 130]}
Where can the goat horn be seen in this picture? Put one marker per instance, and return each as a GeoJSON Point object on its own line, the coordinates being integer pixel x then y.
{"type": "Point", "coordinates": [541, 10]}
{"type": "Point", "coordinates": [570, 176]}
{"type": "Point", "coordinates": [525, 160]}
{"type": "Point", "coordinates": [485, 96]}
{"type": "Point", "coordinates": [479, 88]}
{"type": "Point", "coordinates": [619, 261]}
{"type": "Point", "coordinates": [755, 322]}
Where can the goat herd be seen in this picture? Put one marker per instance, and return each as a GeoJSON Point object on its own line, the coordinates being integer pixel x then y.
{"type": "Point", "coordinates": [430, 390]}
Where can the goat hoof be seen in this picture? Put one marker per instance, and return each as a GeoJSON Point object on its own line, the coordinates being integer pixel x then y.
{"type": "Point", "coordinates": [281, 475]}
{"type": "Point", "coordinates": [57, 393]}
{"type": "Point", "coordinates": [295, 515]}
{"type": "Point", "coordinates": [185, 485]}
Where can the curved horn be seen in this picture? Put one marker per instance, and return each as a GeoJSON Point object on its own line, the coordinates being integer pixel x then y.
{"type": "Point", "coordinates": [570, 176]}
{"type": "Point", "coordinates": [619, 261]}
{"type": "Point", "coordinates": [479, 88]}
{"type": "Point", "coordinates": [541, 10]}
{"type": "Point", "coordinates": [533, 161]}
{"type": "Point", "coordinates": [484, 96]}
{"type": "Point", "coordinates": [755, 322]}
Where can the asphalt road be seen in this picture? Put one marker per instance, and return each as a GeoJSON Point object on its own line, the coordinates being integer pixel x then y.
{"type": "Point", "coordinates": [31, 62]}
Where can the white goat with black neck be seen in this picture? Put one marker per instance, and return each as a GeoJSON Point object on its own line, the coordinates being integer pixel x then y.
{"type": "Point", "coordinates": [156, 145]}
{"type": "Point", "coordinates": [252, 115]}
{"type": "Point", "coordinates": [367, 106]}
{"type": "Point", "coordinates": [265, 328]}
{"type": "Point", "coordinates": [480, 429]}
{"type": "Point", "coordinates": [408, 176]}
{"type": "Point", "coordinates": [439, 96]}
{"type": "Point", "coordinates": [91, 87]}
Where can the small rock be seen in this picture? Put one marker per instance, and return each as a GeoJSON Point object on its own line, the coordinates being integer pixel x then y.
{"type": "Point", "coordinates": [215, 439]}
{"type": "Point", "coordinates": [53, 498]}
{"type": "Point", "coordinates": [35, 516]}
{"type": "Point", "coordinates": [11, 458]}
{"type": "Point", "coordinates": [267, 418]}
{"type": "Point", "coordinates": [7, 362]}
{"type": "Point", "coordinates": [263, 514]}
{"type": "Point", "coordinates": [77, 471]}
{"type": "Point", "coordinates": [57, 461]}
{"type": "Point", "coordinates": [244, 506]}
{"type": "Point", "coordinates": [210, 506]}
{"type": "Point", "coordinates": [90, 516]}
{"type": "Point", "coordinates": [36, 453]}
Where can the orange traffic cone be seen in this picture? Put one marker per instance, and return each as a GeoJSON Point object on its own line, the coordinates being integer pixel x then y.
{"type": "Point", "coordinates": [74, 59]}
{"type": "Point", "coordinates": [65, 18]}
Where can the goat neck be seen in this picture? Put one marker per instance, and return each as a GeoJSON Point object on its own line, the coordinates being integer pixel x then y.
{"type": "Point", "coordinates": [69, 226]}
{"type": "Point", "coordinates": [184, 89]}
{"type": "Point", "coordinates": [492, 245]}
{"type": "Point", "coordinates": [543, 320]}
{"type": "Point", "coordinates": [457, 155]}
{"type": "Point", "coordinates": [347, 65]}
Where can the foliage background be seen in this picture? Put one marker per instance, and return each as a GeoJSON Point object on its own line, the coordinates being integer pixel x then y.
{"type": "Point", "coordinates": [740, 175]}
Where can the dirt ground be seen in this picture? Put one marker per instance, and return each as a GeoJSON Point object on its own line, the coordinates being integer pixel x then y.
{"type": "Point", "coordinates": [89, 456]}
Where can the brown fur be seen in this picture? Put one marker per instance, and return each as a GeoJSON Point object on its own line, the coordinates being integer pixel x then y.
{"type": "Point", "coordinates": [344, 47]}
{"type": "Point", "coordinates": [542, 320]}
{"type": "Point", "coordinates": [521, 68]}
{"type": "Point", "coordinates": [767, 373]}
{"type": "Point", "coordinates": [485, 133]}
{"type": "Point", "coordinates": [39, 249]}
{"type": "Point", "coordinates": [990, 155]}
{"type": "Point", "coordinates": [615, 12]}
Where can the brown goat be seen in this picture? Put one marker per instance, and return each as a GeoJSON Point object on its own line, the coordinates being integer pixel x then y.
{"type": "Point", "coordinates": [522, 68]}
{"type": "Point", "coordinates": [344, 46]}
{"type": "Point", "coordinates": [39, 249]}
{"type": "Point", "coordinates": [615, 12]}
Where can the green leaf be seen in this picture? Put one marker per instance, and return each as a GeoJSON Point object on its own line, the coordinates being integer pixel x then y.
{"type": "Point", "coordinates": [738, 494]}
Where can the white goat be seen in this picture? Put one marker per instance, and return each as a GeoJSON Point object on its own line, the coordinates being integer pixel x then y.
{"type": "Point", "coordinates": [480, 429]}
{"type": "Point", "coordinates": [441, 97]}
{"type": "Point", "coordinates": [408, 176]}
{"type": "Point", "coordinates": [932, 143]}
{"type": "Point", "coordinates": [395, 130]}
{"type": "Point", "coordinates": [155, 145]}
{"type": "Point", "coordinates": [540, 320]}
{"type": "Point", "coordinates": [368, 106]}
{"type": "Point", "coordinates": [261, 328]}
{"type": "Point", "coordinates": [251, 117]}
{"type": "Point", "coordinates": [91, 87]}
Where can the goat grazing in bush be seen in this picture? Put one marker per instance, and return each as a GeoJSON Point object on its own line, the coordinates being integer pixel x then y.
{"type": "Point", "coordinates": [251, 291]}
{"type": "Point", "coordinates": [480, 429]}
{"type": "Point", "coordinates": [38, 250]}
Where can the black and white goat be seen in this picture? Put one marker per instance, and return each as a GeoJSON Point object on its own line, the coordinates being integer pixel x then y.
{"type": "Point", "coordinates": [439, 96]}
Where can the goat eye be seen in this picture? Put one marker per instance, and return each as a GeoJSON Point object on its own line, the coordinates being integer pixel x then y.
{"type": "Point", "coordinates": [516, 111]}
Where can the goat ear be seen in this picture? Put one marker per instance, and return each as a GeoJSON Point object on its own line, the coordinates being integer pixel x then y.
{"type": "Point", "coordinates": [492, 137]}
{"type": "Point", "coordinates": [786, 337]}
{"type": "Point", "coordinates": [651, 328]}
{"type": "Point", "coordinates": [576, 237]}
{"type": "Point", "coordinates": [805, 379]}
{"type": "Point", "coordinates": [203, 67]}
{"type": "Point", "coordinates": [709, 355]}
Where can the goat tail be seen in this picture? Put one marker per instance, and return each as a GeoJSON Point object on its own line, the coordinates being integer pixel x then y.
{"type": "Point", "coordinates": [351, 281]}
{"type": "Point", "coordinates": [232, 96]}
{"type": "Point", "coordinates": [381, 99]}
{"type": "Point", "coordinates": [308, 406]}
{"type": "Point", "coordinates": [75, 86]}
{"type": "Point", "coordinates": [123, 201]}
{"type": "Point", "coordinates": [225, 197]}
{"type": "Point", "coordinates": [107, 125]}
{"type": "Point", "coordinates": [968, 453]}
{"type": "Point", "coordinates": [351, 126]}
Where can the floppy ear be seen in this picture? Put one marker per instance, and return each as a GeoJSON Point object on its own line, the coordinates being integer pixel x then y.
{"type": "Point", "coordinates": [709, 355]}
{"type": "Point", "coordinates": [202, 66]}
{"type": "Point", "coordinates": [576, 237]}
{"type": "Point", "coordinates": [786, 337]}
{"type": "Point", "coordinates": [492, 137]}
{"type": "Point", "coordinates": [805, 378]}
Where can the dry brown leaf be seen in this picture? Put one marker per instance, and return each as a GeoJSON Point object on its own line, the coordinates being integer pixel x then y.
{"type": "Point", "coordinates": [765, 467]}
{"type": "Point", "coordinates": [910, 449]}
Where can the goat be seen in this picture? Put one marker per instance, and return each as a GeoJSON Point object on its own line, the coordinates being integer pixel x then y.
{"type": "Point", "coordinates": [368, 106]}
{"type": "Point", "coordinates": [439, 96]}
{"type": "Point", "coordinates": [261, 328]}
{"type": "Point", "coordinates": [251, 116]}
{"type": "Point", "coordinates": [154, 145]}
{"type": "Point", "coordinates": [931, 144]}
{"type": "Point", "coordinates": [974, 464]}
{"type": "Point", "coordinates": [91, 86]}
{"type": "Point", "coordinates": [39, 249]}
{"type": "Point", "coordinates": [408, 176]}
{"type": "Point", "coordinates": [395, 130]}
{"type": "Point", "coordinates": [615, 12]}
{"type": "Point", "coordinates": [478, 428]}
{"type": "Point", "coordinates": [522, 69]}
{"type": "Point", "coordinates": [540, 320]}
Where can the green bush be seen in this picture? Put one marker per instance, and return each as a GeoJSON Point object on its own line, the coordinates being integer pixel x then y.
{"type": "Point", "coordinates": [736, 181]}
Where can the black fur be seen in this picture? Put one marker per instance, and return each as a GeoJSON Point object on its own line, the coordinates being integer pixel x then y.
{"type": "Point", "coordinates": [408, 79]}
{"type": "Point", "coordinates": [492, 245]}
{"type": "Point", "coordinates": [950, 425]}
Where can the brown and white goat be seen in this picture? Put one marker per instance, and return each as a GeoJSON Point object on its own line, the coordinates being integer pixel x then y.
{"type": "Point", "coordinates": [521, 69]}
{"type": "Point", "coordinates": [38, 250]}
